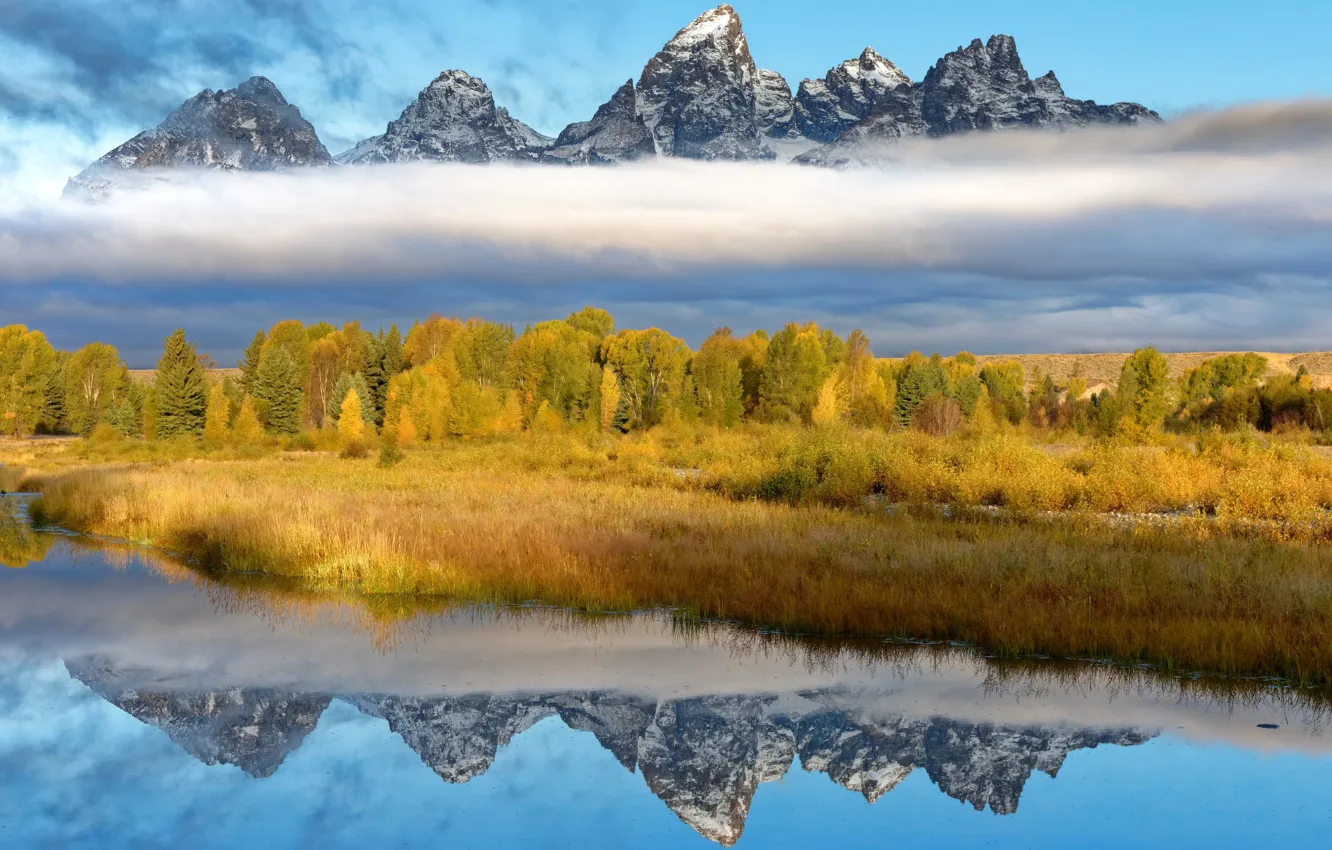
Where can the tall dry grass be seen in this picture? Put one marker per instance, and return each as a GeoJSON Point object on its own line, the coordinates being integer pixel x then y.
{"type": "Point", "coordinates": [574, 523]}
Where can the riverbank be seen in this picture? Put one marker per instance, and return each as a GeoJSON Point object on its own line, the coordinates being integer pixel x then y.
{"type": "Point", "coordinates": [632, 528]}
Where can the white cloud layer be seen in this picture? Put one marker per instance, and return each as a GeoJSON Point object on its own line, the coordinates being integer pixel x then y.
{"type": "Point", "coordinates": [1231, 194]}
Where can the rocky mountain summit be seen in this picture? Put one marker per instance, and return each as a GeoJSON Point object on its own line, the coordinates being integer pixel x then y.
{"type": "Point", "coordinates": [249, 128]}
{"type": "Point", "coordinates": [702, 96]}
{"type": "Point", "coordinates": [704, 757]}
{"type": "Point", "coordinates": [254, 729]}
{"type": "Point", "coordinates": [454, 119]}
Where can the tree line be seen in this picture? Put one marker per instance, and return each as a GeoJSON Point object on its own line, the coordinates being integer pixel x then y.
{"type": "Point", "coordinates": [450, 378]}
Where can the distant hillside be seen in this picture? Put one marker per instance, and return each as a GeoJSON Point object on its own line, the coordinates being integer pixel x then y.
{"type": "Point", "coordinates": [1103, 369]}
{"type": "Point", "coordinates": [146, 376]}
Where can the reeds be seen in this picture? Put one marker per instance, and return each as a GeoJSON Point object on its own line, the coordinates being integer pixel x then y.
{"type": "Point", "coordinates": [599, 526]}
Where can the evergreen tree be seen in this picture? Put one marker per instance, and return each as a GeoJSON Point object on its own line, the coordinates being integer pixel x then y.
{"type": "Point", "coordinates": [278, 391]}
{"type": "Point", "coordinates": [376, 378]}
{"type": "Point", "coordinates": [395, 360]}
{"type": "Point", "coordinates": [918, 382]}
{"type": "Point", "coordinates": [181, 389]}
{"type": "Point", "coordinates": [249, 365]}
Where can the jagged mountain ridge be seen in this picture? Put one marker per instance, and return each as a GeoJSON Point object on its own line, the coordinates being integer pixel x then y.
{"type": "Point", "coordinates": [704, 757]}
{"type": "Point", "coordinates": [702, 96]}
{"type": "Point", "coordinates": [249, 128]}
{"type": "Point", "coordinates": [254, 729]}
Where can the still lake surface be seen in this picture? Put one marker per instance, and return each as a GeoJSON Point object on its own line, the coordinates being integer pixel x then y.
{"type": "Point", "coordinates": [143, 706]}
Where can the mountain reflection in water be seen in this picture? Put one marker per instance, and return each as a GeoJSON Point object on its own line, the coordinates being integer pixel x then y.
{"type": "Point", "coordinates": [703, 757]}
{"type": "Point", "coordinates": [258, 675]}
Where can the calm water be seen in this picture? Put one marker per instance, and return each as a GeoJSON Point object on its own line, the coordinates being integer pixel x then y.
{"type": "Point", "coordinates": [142, 706]}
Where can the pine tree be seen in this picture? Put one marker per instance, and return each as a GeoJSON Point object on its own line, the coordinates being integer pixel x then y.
{"type": "Point", "coordinates": [376, 378]}
{"type": "Point", "coordinates": [181, 388]}
{"type": "Point", "coordinates": [394, 359]}
{"type": "Point", "coordinates": [249, 365]}
{"type": "Point", "coordinates": [278, 390]}
{"type": "Point", "coordinates": [217, 416]}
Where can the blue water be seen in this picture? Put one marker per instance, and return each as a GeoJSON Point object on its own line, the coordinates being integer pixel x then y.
{"type": "Point", "coordinates": [118, 687]}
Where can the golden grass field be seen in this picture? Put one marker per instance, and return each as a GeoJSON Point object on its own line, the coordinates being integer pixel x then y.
{"type": "Point", "coordinates": [681, 521]}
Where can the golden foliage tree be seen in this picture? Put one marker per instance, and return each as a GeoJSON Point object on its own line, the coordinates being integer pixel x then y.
{"type": "Point", "coordinates": [831, 405]}
{"type": "Point", "coordinates": [610, 398]}
{"type": "Point", "coordinates": [217, 415]}
{"type": "Point", "coordinates": [406, 430]}
{"type": "Point", "coordinates": [351, 427]}
{"type": "Point", "coordinates": [247, 429]}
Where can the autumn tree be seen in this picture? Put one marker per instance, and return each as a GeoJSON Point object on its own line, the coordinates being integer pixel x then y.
{"type": "Point", "coordinates": [92, 378]}
{"type": "Point", "coordinates": [719, 378]}
{"type": "Point", "coordinates": [594, 321]}
{"type": "Point", "coordinates": [1144, 388]}
{"type": "Point", "coordinates": [347, 384]}
{"type": "Point", "coordinates": [651, 366]}
{"type": "Point", "coordinates": [217, 416]}
{"type": "Point", "coordinates": [481, 353]}
{"type": "Point", "coordinates": [29, 379]}
{"type": "Point", "coordinates": [247, 429]}
{"type": "Point", "coordinates": [325, 369]}
{"type": "Point", "coordinates": [610, 398]}
{"type": "Point", "coordinates": [551, 362]}
{"type": "Point", "coordinates": [864, 397]}
{"type": "Point", "coordinates": [351, 425]}
{"type": "Point", "coordinates": [429, 339]}
{"type": "Point", "coordinates": [180, 388]}
{"type": "Point", "coordinates": [797, 365]}
{"type": "Point", "coordinates": [1006, 384]}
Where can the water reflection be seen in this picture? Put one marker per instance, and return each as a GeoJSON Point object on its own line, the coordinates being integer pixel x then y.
{"type": "Point", "coordinates": [248, 674]}
{"type": "Point", "coordinates": [703, 757]}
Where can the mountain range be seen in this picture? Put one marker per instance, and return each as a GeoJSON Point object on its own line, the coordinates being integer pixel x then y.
{"type": "Point", "coordinates": [704, 757]}
{"type": "Point", "coordinates": [701, 97]}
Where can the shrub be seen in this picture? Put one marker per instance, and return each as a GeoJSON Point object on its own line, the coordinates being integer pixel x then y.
{"type": "Point", "coordinates": [390, 455]}
{"type": "Point", "coordinates": [354, 450]}
{"type": "Point", "coordinates": [939, 415]}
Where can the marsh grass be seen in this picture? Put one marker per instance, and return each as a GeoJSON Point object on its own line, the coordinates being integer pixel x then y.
{"type": "Point", "coordinates": [579, 522]}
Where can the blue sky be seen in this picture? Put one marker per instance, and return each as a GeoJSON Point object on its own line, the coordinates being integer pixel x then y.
{"type": "Point", "coordinates": [81, 76]}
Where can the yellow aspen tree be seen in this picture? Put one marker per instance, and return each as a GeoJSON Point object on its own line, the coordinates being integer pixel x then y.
{"type": "Point", "coordinates": [831, 404]}
{"type": "Point", "coordinates": [406, 430]}
{"type": "Point", "coordinates": [216, 416]}
{"type": "Point", "coordinates": [351, 427]}
{"type": "Point", "coordinates": [546, 420]}
{"type": "Point", "coordinates": [247, 430]}
{"type": "Point", "coordinates": [610, 397]}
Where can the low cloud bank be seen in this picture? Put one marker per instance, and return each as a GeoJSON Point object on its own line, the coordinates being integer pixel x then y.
{"type": "Point", "coordinates": [1222, 195]}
